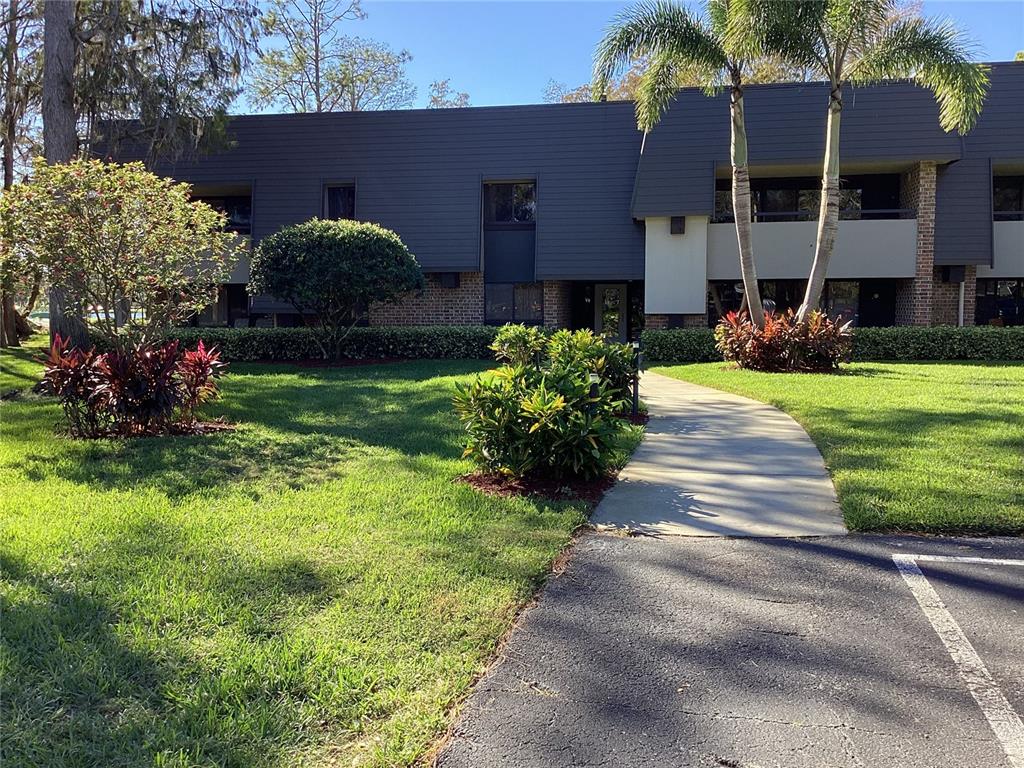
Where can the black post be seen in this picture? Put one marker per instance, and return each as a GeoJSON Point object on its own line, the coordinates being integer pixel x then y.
{"type": "Point", "coordinates": [636, 379]}
{"type": "Point", "coordinates": [594, 380]}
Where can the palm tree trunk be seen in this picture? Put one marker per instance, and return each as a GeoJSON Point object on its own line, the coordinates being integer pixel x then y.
{"type": "Point", "coordinates": [828, 213]}
{"type": "Point", "coordinates": [741, 205]}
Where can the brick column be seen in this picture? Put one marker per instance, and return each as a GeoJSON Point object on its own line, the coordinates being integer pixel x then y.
{"type": "Point", "coordinates": [914, 297]}
{"type": "Point", "coordinates": [557, 309]}
{"type": "Point", "coordinates": [946, 298]}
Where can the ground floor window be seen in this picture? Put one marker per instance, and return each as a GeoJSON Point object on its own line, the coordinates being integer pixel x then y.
{"type": "Point", "coordinates": [514, 303]}
{"type": "Point", "coordinates": [1000, 302]}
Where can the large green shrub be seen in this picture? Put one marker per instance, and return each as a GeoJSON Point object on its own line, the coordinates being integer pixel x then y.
{"type": "Point", "coordinates": [697, 345]}
{"type": "Point", "coordinates": [541, 413]}
{"type": "Point", "coordinates": [334, 270]}
{"type": "Point", "coordinates": [521, 420]}
{"type": "Point", "coordinates": [361, 343]}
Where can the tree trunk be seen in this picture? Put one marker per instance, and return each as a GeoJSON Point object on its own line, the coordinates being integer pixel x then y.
{"type": "Point", "coordinates": [8, 322]}
{"type": "Point", "coordinates": [60, 136]}
{"type": "Point", "coordinates": [828, 212]}
{"type": "Point", "coordinates": [741, 206]}
{"type": "Point", "coordinates": [10, 110]}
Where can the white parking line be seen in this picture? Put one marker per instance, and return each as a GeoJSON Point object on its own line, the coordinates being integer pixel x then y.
{"type": "Point", "coordinates": [1005, 723]}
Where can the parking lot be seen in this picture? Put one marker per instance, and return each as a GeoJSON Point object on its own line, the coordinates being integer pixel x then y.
{"type": "Point", "coordinates": [757, 653]}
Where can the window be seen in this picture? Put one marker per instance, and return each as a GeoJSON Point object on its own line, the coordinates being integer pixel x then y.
{"type": "Point", "coordinates": [237, 208]}
{"type": "Point", "coordinates": [514, 302]}
{"type": "Point", "coordinates": [1008, 198]}
{"type": "Point", "coordinates": [510, 204]}
{"type": "Point", "coordinates": [1000, 302]}
{"type": "Point", "coordinates": [799, 198]}
{"type": "Point", "coordinates": [339, 201]}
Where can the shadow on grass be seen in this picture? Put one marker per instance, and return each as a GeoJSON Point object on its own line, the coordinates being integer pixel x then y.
{"type": "Point", "coordinates": [295, 428]}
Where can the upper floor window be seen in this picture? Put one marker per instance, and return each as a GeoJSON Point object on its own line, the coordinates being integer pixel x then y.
{"type": "Point", "coordinates": [238, 209]}
{"type": "Point", "coordinates": [340, 201]}
{"type": "Point", "coordinates": [1008, 198]}
{"type": "Point", "coordinates": [510, 204]}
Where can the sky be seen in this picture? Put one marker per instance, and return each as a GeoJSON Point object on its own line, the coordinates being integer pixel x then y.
{"type": "Point", "coordinates": [505, 52]}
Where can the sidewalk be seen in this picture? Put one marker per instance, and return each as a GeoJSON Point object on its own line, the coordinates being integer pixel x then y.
{"type": "Point", "coordinates": [715, 464]}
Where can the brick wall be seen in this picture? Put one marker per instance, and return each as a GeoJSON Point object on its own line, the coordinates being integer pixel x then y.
{"type": "Point", "coordinates": [557, 309]}
{"type": "Point", "coordinates": [436, 305]}
{"type": "Point", "coordinates": [662, 322]}
{"type": "Point", "coordinates": [917, 190]}
{"type": "Point", "coordinates": [946, 298]}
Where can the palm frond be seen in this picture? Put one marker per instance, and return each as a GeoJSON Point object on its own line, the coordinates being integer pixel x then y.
{"type": "Point", "coordinates": [656, 90]}
{"type": "Point", "coordinates": [655, 29]}
{"type": "Point", "coordinates": [788, 30]}
{"type": "Point", "coordinates": [935, 53]}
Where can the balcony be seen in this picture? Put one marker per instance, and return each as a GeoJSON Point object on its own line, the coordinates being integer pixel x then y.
{"type": "Point", "coordinates": [868, 247]}
{"type": "Point", "coordinates": [1007, 248]}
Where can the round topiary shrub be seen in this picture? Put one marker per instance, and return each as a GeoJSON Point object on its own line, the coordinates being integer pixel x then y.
{"type": "Point", "coordinates": [334, 270]}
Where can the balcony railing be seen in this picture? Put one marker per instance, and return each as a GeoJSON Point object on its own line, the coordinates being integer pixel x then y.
{"type": "Point", "coordinates": [847, 214]}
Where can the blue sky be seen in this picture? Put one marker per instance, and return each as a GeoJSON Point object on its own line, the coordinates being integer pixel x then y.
{"type": "Point", "coordinates": [506, 52]}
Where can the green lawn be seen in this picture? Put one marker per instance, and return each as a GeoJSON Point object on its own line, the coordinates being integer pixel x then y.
{"type": "Point", "coordinates": [311, 589]}
{"type": "Point", "coordinates": [18, 367]}
{"type": "Point", "coordinates": [934, 448]}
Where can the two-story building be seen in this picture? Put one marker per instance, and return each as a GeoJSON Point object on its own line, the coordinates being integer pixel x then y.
{"type": "Point", "coordinates": [566, 215]}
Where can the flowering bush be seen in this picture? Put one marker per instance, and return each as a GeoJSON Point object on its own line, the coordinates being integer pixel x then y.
{"type": "Point", "coordinates": [150, 389]}
{"type": "Point", "coordinates": [130, 249]}
{"type": "Point", "coordinates": [818, 344]}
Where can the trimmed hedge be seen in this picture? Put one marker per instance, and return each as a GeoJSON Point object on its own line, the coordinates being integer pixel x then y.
{"type": "Point", "coordinates": [697, 345]}
{"type": "Point", "coordinates": [284, 344]}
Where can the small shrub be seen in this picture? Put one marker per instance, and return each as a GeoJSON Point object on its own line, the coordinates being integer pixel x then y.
{"type": "Point", "coordinates": [521, 420]}
{"type": "Point", "coordinates": [519, 344]}
{"type": "Point", "coordinates": [818, 344]}
{"type": "Point", "coordinates": [584, 350]}
{"type": "Point", "coordinates": [72, 376]}
{"type": "Point", "coordinates": [197, 372]}
{"type": "Point", "coordinates": [681, 345]}
{"type": "Point", "coordinates": [149, 389]}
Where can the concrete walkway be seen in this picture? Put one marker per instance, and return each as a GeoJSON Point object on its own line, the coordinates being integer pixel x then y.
{"type": "Point", "coordinates": [716, 464]}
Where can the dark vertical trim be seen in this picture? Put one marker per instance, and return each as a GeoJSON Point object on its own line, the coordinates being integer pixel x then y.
{"type": "Point", "coordinates": [991, 214]}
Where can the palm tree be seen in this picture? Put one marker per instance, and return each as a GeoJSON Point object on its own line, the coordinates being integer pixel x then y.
{"type": "Point", "coordinates": [675, 44]}
{"type": "Point", "coordinates": [850, 42]}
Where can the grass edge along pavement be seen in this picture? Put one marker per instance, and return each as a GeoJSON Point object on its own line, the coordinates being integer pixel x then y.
{"type": "Point", "coordinates": [912, 447]}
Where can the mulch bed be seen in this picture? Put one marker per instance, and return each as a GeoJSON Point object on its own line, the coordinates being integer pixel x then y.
{"type": "Point", "coordinates": [564, 489]}
{"type": "Point", "coordinates": [641, 418]}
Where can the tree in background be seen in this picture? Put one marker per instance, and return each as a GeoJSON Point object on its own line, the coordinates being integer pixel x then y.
{"type": "Point", "coordinates": [852, 43]}
{"type": "Point", "coordinates": [158, 72]}
{"type": "Point", "coordinates": [21, 77]}
{"type": "Point", "coordinates": [675, 44]}
{"type": "Point", "coordinates": [129, 246]}
{"type": "Point", "coordinates": [334, 270]}
{"type": "Point", "coordinates": [320, 69]}
{"type": "Point", "coordinates": [443, 96]}
{"type": "Point", "coordinates": [306, 73]}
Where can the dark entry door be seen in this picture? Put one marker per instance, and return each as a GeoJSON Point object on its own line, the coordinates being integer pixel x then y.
{"type": "Point", "coordinates": [877, 303]}
{"type": "Point", "coordinates": [611, 311]}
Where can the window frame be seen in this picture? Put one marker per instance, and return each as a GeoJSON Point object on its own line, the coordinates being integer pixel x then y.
{"type": "Point", "coordinates": [516, 315]}
{"type": "Point", "coordinates": [328, 185]}
{"type": "Point", "coordinates": [507, 225]}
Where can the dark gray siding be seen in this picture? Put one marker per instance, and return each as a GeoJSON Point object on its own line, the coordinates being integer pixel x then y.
{"type": "Point", "coordinates": [785, 125]}
{"type": "Point", "coordinates": [419, 172]}
{"type": "Point", "coordinates": [963, 216]}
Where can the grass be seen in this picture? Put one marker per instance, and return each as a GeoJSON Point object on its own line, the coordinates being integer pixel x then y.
{"type": "Point", "coordinates": [18, 367]}
{"type": "Point", "coordinates": [936, 448]}
{"type": "Point", "coordinates": [310, 589]}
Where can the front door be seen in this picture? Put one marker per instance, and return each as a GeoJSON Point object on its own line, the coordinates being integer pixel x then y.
{"type": "Point", "coordinates": [611, 310]}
